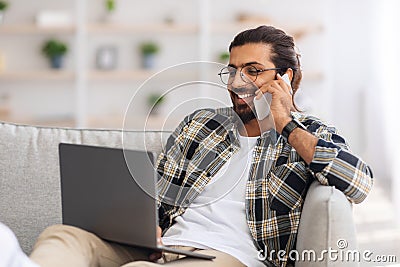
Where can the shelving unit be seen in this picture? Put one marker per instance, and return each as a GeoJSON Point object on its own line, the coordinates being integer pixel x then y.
{"type": "Point", "coordinates": [119, 28]}
{"type": "Point", "coordinates": [49, 121]}
{"type": "Point", "coordinates": [37, 75]}
{"type": "Point", "coordinates": [119, 75]}
{"type": "Point", "coordinates": [297, 31]}
{"type": "Point", "coordinates": [139, 75]}
{"type": "Point", "coordinates": [84, 80]}
{"type": "Point", "coordinates": [33, 29]}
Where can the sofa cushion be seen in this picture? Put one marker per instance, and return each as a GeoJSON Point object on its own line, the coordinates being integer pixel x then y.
{"type": "Point", "coordinates": [30, 196]}
{"type": "Point", "coordinates": [326, 224]}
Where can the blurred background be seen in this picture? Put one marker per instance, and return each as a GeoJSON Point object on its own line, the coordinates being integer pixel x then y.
{"type": "Point", "coordinates": [79, 64]}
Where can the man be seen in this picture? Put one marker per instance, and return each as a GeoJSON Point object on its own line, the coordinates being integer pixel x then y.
{"type": "Point", "coordinates": [232, 185]}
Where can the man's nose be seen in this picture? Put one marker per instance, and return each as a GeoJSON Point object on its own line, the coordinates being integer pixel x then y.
{"type": "Point", "coordinates": [238, 80]}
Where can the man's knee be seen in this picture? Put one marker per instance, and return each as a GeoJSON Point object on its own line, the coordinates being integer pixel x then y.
{"type": "Point", "coordinates": [71, 245]}
{"type": "Point", "coordinates": [61, 229]}
{"type": "Point", "coordinates": [65, 233]}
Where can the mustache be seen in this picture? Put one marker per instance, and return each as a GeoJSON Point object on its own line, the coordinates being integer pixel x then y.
{"type": "Point", "coordinates": [238, 90]}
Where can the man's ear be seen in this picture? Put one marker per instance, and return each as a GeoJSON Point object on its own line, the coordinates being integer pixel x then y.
{"type": "Point", "coordinates": [290, 73]}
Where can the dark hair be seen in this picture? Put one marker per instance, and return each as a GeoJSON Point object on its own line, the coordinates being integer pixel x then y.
{"type": "Point", "coordinates": [283, 53]}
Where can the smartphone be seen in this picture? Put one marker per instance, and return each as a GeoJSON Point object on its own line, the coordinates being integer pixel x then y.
{"type": "Point", "coordinates": [262, 105]}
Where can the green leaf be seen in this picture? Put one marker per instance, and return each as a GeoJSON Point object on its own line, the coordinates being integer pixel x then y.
{"type": "Point", "coordinates": [149, 48]}
{"type": "Point", "coordinates": [155, 99]}
{"type": "Point", "coordinates": [54, 47]}
{"type": "Point", "coordinates": [3, 5]}
{"type": "Point", "coordinates": [110, 5]}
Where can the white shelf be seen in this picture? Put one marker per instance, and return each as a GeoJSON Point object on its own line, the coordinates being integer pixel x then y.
{"type": "Point", "coordinates": [137, 75]}
{"type": "Point", "coordinates": [33, 29]}
{"type": "Point", "coordinates": [150, 122]}
{"type": "Point", "coordinates": [56, 121]}
{"type": "Point", "coordinates": [120, 75]}
{"type": "Point", "coordinates": [51, 75]}
{"type": "Point", "coordinates": [297, 31]}
{"type": "Point", "coordinates": [110, 122]}
{"type": "Point", "coordinates": [312, 76]}
{"type": "Point", "coordinates": [110, 28]}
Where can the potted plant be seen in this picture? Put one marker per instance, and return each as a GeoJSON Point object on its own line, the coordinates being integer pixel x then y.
{"type": "Point", "coordinates": [223, 57]}
{"type": "Point", "coordinates": [55, 50]}
{"type": "Point", "coordinates": [148, 51]}
{"type": "Point", "coordinates": [154, 100]}
{"type": "Point", "coordinates": [3, 8]}
{"type": "Point", "coordinates": [110, 6]}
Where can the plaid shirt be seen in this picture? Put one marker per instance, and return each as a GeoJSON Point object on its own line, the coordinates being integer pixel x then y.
{"type": "Point", "coordinates": [278, 179]}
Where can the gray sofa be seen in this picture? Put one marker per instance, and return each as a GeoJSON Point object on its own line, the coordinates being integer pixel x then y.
{"type": "Point", "coordinates": [30, 198]}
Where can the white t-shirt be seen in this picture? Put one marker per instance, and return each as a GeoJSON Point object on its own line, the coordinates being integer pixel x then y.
{"type": "Point", "coordinates": [216, 219]}
{"type": "Point", "coordinates": [11, 254]}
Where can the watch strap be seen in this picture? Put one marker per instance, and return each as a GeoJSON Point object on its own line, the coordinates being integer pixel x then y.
{"type": "Point", "coordinates": [289, 128]}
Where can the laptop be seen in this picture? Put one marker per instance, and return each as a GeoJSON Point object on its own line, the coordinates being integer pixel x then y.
{"type": "Point", "coordinates": [99, 195]}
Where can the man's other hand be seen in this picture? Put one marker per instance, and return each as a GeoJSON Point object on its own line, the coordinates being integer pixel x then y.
{"type": "Point", "coordinates": [156, 255]}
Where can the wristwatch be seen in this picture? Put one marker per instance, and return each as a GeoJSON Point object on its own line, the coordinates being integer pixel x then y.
{"type": "Point", "coordinates": [288, 129]}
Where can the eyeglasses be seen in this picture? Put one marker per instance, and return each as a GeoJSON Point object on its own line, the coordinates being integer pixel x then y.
{"type": "Point", "coordinates": [248, 74]}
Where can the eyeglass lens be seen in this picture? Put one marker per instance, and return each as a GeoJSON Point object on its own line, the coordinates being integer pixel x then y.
{"type": "Point", "coordinates": [248, 74]}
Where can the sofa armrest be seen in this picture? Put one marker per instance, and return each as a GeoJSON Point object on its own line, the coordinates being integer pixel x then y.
{"type": "Point", "coordinates": [326, 220]}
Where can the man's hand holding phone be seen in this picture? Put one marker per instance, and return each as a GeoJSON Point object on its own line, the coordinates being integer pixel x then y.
{"type": "Point", "coordinates": [280, 103]}
{"type": "Point", "coordinates": [157, 255]}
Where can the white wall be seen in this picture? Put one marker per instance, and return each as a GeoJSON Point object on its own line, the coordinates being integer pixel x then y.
{"type": "Point", "coordinates": [364, 76]}
{"type": "Point", "coordinates": [360, 96]}
{"type": "Point", "coordinates": [384, 95]}
{"type": "Point", "coordinates": [176, 48]}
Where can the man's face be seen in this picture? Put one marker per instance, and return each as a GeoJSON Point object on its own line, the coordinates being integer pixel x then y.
{"type": "Point", "coordinates": [241, 92]}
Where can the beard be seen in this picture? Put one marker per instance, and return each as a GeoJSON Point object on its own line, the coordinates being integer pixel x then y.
{"type": "Point", "coordinates": [244, 113]}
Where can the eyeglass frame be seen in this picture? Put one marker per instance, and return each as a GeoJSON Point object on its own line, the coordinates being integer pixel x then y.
{"type": "Point", "coordinates": [241, 73]}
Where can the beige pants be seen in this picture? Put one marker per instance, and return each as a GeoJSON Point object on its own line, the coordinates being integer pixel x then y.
{"type": "Point", "coordinates": [62, 245]}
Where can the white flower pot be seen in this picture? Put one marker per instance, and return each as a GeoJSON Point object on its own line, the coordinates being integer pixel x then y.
{"type": "Point", "coordinates": [1, 17]}
{"type": "Point", "coordinates": [148, 61]}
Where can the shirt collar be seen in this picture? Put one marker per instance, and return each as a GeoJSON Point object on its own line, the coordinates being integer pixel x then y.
{"type": "Point", "coordinates": [271, 136]}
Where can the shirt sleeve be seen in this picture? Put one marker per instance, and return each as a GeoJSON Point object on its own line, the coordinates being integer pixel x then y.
{"type": "Point", "coordinates": [335, 165]}
{"type": "Point", "coordinates": [168, 168]}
